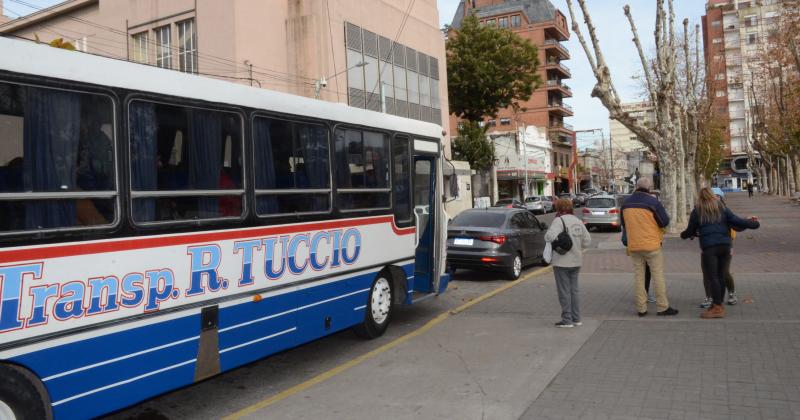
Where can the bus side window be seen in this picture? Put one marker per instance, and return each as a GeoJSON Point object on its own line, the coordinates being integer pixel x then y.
{"type": "Point", "coordinates": [401, 176]}
{"type": "Point", "coordinates": [185, 163]}
{"type": "Point", "coordinates": [362, 169]}
{"type": "Point", "coordinates": [54, 142]}
{"type": "Point", "coordinates": [292, 167]}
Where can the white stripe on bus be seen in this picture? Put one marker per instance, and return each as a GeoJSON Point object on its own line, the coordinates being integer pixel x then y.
{"type": "Point", "coordinates": [360, 308]}
{"type": "Point", "coordinates": [128, 356]}
{"type": "Point", "coordinates": [258, 340]}
{"type": "Point", "coordinates": [243, 324]}
{"type": "Point", "coordinates": [127, 381]}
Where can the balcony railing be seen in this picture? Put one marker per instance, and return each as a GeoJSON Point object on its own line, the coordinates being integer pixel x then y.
{"type": "Point", "coordinates": [558, 64]}
{"type": "Point", "coordinates": [557, 44]}
{"type": "Point", "coordinates": [560, 105]}
{"type": "Point", "coordinates": [562, 125]}
{"type": "Point", "coordinates": [557, 83]}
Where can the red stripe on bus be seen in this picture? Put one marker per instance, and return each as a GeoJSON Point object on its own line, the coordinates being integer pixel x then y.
{"type": "Point", "coordinates": [129, 244]}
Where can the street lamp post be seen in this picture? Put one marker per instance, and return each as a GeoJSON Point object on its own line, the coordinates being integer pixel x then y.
{"type": "Point", "coordinates": [322, 82]}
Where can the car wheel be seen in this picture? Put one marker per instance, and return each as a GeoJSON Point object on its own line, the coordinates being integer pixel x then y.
{"type": "Point", "coordinates": [378, 312]}
{"type": "Point", "coordinates": [515, 269]}
{"type": "Point", "coordinates": [22, 396]}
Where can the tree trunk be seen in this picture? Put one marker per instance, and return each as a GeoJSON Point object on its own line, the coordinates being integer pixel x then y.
{"type": "Point", "coordinates": [669, 191]}
{"type": "Point", "coordinates": [795, 167]}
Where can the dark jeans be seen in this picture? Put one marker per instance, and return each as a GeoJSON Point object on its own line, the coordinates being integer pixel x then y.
{"type": "Point", "coordinates": [567, 286]}
{"type": "Point", "coordinates": [715, 261]}
{"type": "Point", "coordinates": [729, 284]}
{"type": "Point", "coordinates": [647, 276]}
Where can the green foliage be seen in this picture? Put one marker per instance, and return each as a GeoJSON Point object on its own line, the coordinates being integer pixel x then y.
{"type": "Point", "coordinates": [488, 69]}
{"type": "Point", "coordinates": [473, 146]}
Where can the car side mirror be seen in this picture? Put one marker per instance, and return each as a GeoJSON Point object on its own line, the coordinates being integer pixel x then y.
{"type": "Point", "coordinates": [543, 225]}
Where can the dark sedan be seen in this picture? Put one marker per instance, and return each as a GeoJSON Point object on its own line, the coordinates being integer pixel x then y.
{"type": "Point", "coordinates": [504, 239]}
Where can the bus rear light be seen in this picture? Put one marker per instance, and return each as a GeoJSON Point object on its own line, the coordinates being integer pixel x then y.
{"type": "Point", "coordinates": [498, 239]}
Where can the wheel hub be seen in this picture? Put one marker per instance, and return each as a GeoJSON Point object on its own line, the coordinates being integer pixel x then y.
{"type": "Point", "coordinates": [381, 300]}
{"type": "Point", "coordinates": [6, 413]}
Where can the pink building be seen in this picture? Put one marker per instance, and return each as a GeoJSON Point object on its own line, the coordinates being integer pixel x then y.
{"type": "Point", "coordinates": [288, 46]}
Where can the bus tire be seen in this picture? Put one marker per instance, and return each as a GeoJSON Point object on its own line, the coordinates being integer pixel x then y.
{"type": "Point", "coordinates": [378, 312]}
{"type": "Point", "coordinates": [22, 396]}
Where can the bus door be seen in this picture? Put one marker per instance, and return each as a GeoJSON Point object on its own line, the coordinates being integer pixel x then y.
{"type": "Point", "coordinates": [427, 218]}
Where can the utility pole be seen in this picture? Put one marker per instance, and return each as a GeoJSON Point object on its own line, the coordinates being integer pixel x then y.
{"type": "Point", "coordinates": [525, 156]}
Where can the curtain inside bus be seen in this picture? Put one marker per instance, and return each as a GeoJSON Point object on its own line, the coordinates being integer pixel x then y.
{"type": "Point", "coordinates": [264, 167]}
{"type": "Point", "coordinates": [314, 145]}
{"type": "Point", "coordinates": [51, 141]}
{"type": "Point", "coordinates": [144, 168]}
{"type": "Point", "coordinates": [205, 157]}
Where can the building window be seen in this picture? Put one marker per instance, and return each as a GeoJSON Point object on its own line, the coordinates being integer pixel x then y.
{"type": "Point", "coordinates": [750, 21]}
{"type": "Point", "coordinates": [716, 23]}
{"type": "Point", "coordinates": [490, 21]}
{"type": "Point", "coordinates": [716, 41]}
{"type": "Point", "coordinates": [515, 21]}
{"type": "Point", "coordinates": [503, 22]}
{"type": "Point", "coordinates": [718, 57]}
{"type": "Point", "coordinates": [505, 121]}
{"type": "Point", "coordinates": [720, 93]}
{"type": "Point", "coordinates": [491, 123]}
{"type": "Point", "coordinates": [186, 163]}
{"type": "Point", "coordinates": [187, 46]}
{"type": "Point", "coordinates": [139, 50]}
{"type": "Point", "coordinates": [752, 39]}
{"type": "Point", "coordinates": [163, 47]}
{"type": "Point", "coordinates": [59, 144]}
{"type": "Point", "coordinates": [719, 76]}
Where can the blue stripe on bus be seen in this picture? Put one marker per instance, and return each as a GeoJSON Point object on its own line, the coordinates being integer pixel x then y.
{"type": "Point", "coordinates": [105, 373]}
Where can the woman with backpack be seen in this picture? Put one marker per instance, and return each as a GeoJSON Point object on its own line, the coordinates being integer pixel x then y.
{"type": "Point", "coordinates": [712, 222]}
{"type": "Point", "coordinates": [568, 238]}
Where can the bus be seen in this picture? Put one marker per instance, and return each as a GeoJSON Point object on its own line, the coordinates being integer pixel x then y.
{"type": "Point", "coordinates": [158, 228]}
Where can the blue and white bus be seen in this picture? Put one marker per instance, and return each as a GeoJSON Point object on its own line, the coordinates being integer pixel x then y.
{"type": "Point", "coordinates": [158, 228]}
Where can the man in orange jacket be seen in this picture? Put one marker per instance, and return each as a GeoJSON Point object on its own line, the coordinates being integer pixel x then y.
{"type": "Point", "coordinates": [644, 220]}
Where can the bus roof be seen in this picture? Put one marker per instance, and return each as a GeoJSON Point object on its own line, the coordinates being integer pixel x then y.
{"type": "Point", "coordinates": [43, 60]}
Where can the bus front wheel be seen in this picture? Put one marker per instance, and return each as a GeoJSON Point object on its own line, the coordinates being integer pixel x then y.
{"type": "Point", "coordinates": [378, 311]}
{"type": "Point", "coordinates": [22, 396]}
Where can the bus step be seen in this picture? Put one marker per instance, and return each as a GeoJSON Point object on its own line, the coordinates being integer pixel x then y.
{"type": "Point", "coordinates": [419, 296]}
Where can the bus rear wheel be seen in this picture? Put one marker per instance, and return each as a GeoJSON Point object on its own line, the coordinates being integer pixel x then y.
{"type": "Point", "coordinates": [22, 396]}
{"type": "Point", "coordinates": [378, 312]}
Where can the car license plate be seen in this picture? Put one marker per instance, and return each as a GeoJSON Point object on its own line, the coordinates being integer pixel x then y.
{"type": "Point", "coordinates": [463, 241]}
{"type": "Point", "coordinates": [598, 213]}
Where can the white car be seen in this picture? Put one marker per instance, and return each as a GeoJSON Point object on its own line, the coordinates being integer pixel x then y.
{"type": "Point", "coordinates": [539, 204]}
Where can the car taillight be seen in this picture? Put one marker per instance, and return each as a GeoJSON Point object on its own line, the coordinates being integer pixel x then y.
{"type": "Point", "coordinates": [510, 206]}
{"type": "Point", "coordinates": [613, 211]}
{"type": "Point", "coordinates": [488, 259]}
{"type": "Point", "coordinates": [586, 211]}
{"type": "Point", "coordinates": [498, 239]}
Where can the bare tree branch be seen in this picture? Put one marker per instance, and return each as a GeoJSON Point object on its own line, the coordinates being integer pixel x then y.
{"type": "Point", "coordinates": [651, 88]}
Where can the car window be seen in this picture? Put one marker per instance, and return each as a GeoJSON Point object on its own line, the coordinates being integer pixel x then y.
{"type": "Point", "coordinates": [532, 222]}
{"type": "Point", "coordinates": [479, 219]}
{"type": "Point", "coordinates": [533, 199]}
{"type": "Point", "coordinates": [601, 203]}
{"type": "Point", "coordinates": [504, 202]}
{"type": "Point", "coordinates": [518, 221]}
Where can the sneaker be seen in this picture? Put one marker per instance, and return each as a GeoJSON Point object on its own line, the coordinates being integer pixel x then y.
{"type": "Point", "coordinates": [641, 314]}
{"type": "Point", "coordinates": [732, 298]}
{"type": "Point", "coordinates": [577, 323]}
{"type": "Point", "coordinates": [562, 324]}
{"type": "Point", "coordinates": [668, 312]}
{"type": "Point", "coordinates": [707, 303]}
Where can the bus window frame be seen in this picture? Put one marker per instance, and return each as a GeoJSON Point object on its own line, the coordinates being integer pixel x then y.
{"type": "Point", "coordinates": [132, 194]}
{"type": "Point", "coordinates": [114, 194]}
{"type": "Point", "coordinates": [331, 155]}
{"type": "Point", "coordinates": [337, 190]}
{"type": "Point", "coordinates": [410, 151]}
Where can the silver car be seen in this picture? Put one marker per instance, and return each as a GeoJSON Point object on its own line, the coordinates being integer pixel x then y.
{"type": "Point", "coordinates": [539, 204]}
{"type": "Point", "coordinates": [602, 211]}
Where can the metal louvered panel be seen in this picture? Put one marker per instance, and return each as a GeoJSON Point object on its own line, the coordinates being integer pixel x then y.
{"type": "Point", "coordinates": [399, 55]}
{"type": "Point", "coordinates": [411, 59]}
{"type": "Point", "coordinates": [413, 111]}
{"type": "Point", "coordinates": [385, 48]}
{"type": "Point", "coordinates": [437, 117]}
{"type": "Point", "coordinates": [374, 102]}
{"type": "Point", "coordinates": [370, 43]}
{"type": "Point", "coordinates": [423, 64]}
{"type": "Point", "coordinates": [402, 108]}
{"type": "Point", "coordinates": [434, 67]}
{"type": "Point", "coordinates": [357, 98]}
{"type": "Point", "coordinates": [425, 113]}
{"type": "Point", "coordinates": [390, 109]}
{"type": "Point", "coordinates": [353, 35]}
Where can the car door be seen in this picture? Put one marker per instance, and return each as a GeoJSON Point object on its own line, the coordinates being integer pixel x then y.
{"type": "Point", "coordinates": [534, 237]}
{"type": "Point", "coordinates": [517, 226]}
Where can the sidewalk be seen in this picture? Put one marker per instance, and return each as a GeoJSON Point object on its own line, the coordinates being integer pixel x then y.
{"type": "Point", "coordinates": [503, 359]}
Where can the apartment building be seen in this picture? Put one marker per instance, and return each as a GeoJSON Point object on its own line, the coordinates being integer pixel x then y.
{"type": "Point", "coordinates": [348, 51]}
{"type": "Point", "coordinates": [546, 27]}
{"type": "Point", "coordinates": [733, 32]}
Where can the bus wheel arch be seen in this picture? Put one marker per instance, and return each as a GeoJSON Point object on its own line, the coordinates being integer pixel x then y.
{"type": "Point", "coordinates": [379, 306]}
{"type": "Point", "coordinates": [22, 395]}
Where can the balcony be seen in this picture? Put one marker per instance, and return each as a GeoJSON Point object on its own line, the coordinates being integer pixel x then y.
{"type": "Point", "coordinates": [560, 108]}
{"type": "Point", "coordinates": [557, 67]}
{"type": "Point", "coordinates": [558, 128]}
{"type": "Point", "coordinates": [557, 86]}
{"type": "Point", "coordinates": [731, 28]}
{"type": "Point", "coordinates": [553, 44]}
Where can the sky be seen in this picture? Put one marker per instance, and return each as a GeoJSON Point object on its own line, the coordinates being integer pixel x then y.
{"type": "Point", "coordinates": [612, 30]}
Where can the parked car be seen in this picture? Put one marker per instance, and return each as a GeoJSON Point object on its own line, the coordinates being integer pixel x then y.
{"type": "Point", "coordinates": [602, 211]}
{"type": "Point", "coordinates": [582, 197]}
{"type": "Point", "coordinates": [495, 239]}
{"type": "Point", "coordinates": [509, 203]}
{"type": "Point", "coordinates": [571, 197]}
{"type": "Point", "coordinates": [539, 204]}
{"type": "Point", "coordinates": [591, 191]}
